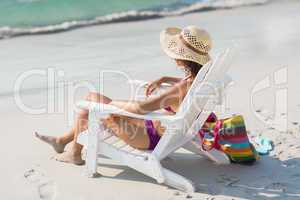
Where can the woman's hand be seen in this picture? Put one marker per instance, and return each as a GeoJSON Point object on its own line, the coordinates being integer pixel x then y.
{"type": "Point", "coordinates": [151, 87]}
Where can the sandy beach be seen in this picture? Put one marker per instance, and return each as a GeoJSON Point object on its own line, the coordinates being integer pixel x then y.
{"type": "Point", "coordinates": [265, 91]}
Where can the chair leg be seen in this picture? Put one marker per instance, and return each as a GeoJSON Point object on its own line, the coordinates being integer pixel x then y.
{"type": "Point", "coordinates": [91, 162]}
{"type": "Point", "coordinates": [92, 147]}
{"type": "Point", "coordinates": [177, 181]}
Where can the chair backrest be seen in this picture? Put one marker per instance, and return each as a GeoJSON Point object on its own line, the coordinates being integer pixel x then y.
{"type": "Point", "coordinates": [203, 88]}
{"type": "Point", "coordinates": [195, 101]}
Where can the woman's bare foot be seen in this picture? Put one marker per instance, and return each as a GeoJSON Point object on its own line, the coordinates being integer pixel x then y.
{"type": "Point", "coordinates": [69, 157]}
{"type": "Point", "coordinates": [53, 141]}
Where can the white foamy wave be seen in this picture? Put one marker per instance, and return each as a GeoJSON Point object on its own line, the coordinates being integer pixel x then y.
{"type": "Point", "coordinates": [7, 32]}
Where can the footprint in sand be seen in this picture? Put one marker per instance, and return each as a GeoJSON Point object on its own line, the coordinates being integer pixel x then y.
{"type": "Point", "coordinates": [295, 123]}
{"type": "Point", "coordinates": [47, 190]}
{"type": "Point", "coordinates": [290, 163]}
{"type": "Point", "coordinates": [227, 180]}
{"type": "Point", "coordinates": [277, 186]}
{"type": "Point", "coordinates": [45, 187]}
{"type": "Point", "coordinates": [296, 176]}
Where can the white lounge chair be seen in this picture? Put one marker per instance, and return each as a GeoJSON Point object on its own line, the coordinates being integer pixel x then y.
{"type": "Point", "coordinates": [181, 130]}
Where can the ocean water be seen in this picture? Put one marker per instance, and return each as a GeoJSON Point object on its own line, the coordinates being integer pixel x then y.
{"type": "Point", "coordinates": [30, 13]}
{"type": "Point", "coordinates": [21, 17]}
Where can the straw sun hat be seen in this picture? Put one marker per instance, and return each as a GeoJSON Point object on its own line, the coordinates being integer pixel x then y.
{"type": "Point", "coordinates": [190, 43]}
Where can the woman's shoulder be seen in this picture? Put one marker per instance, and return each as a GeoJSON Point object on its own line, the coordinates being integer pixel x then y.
{"type": "Point", "coordinates": [187, 81]}
{"type": "Point", "coordinates": [181, 88]}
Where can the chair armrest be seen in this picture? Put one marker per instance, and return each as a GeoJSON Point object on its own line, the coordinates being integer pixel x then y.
{"type": "Point", "coordinates": [105, 109]}
{"type": "Point", "coordinates": [141, 83]}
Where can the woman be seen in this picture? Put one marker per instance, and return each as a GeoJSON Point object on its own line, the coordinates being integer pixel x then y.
{"type": "Point", "coordinates": [189, 47]}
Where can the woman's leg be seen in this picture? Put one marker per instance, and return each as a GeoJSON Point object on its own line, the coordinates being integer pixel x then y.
{"type": "Point", "coordinates": [82, 119]}
{"type": "Point", "coordinates": [59, 143]}
{"type": "Point", "coordinates": [132, 131]}
{"type": "Point", "coordinates": [73, 155]}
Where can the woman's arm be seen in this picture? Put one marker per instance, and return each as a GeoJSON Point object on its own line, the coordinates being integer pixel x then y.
{"type": "Point", "coordinates": [169, 79]}
{"type": "Point", "coordinates": [157, 83]}
{"type": "Point", "coordinates": [173, 95]}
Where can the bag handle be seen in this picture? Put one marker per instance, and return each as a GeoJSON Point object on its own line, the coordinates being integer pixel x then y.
{"type": "Point", "coordinates": [219, 123]}
{"type": "Point", "coordinates": [211, 118]}
{"type": "Point", "coordinates": [217, 129]}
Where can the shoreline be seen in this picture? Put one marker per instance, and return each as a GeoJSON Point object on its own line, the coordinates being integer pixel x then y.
{"type": "Point", "coordinates": [122, 17]}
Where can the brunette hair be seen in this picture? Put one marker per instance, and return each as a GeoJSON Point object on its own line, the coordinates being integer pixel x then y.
{"type": "Point", "coordinates": [192, 67]}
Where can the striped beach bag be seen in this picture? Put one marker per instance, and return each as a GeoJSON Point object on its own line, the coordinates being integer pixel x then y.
{"type": "Point", "coordinates": [230, 136]}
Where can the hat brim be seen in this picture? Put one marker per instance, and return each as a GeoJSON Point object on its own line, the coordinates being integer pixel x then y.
{"type": "Point", "coordinates": [173, 46]}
